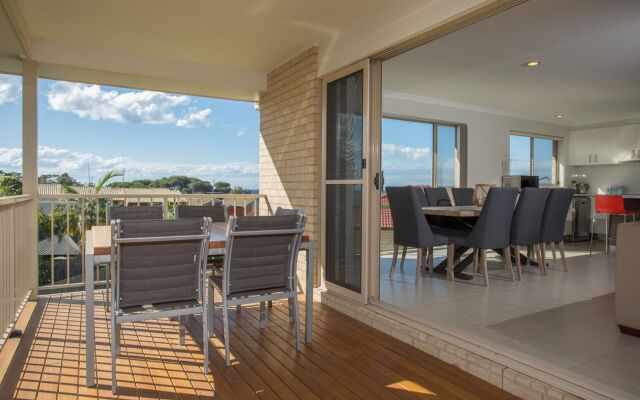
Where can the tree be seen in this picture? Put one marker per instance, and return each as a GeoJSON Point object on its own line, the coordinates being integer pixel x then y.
{"type": "Point", "coordinates": [221, 187]}
{"type": "Point", "coordinates": [10, 185]}
{"type": "Point", "coordinates": [239, 190]}
{"type": "Point", "coordinates": [67, 180]}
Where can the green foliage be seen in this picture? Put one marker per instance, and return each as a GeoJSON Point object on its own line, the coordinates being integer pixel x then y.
{"type": "Point", "coordinates": [107, 177]}
{"type": "Point", "coordinates": [182, 183]}
{"type": "Point", "coordinates": [10, 184]}
{"type": "Point", "coordinates": [239, 190]}
{"type": "Point", "coordinates": [222, 187]}
{"type": "Point", "coordinates": [63, 179]}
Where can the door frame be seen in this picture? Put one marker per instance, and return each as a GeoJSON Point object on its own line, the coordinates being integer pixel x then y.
{"type": "Point", "coordinates": [364, 66]}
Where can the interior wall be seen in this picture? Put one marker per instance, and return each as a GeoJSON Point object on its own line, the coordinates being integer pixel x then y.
{"type": "Point", "coordinates": [487, 138]}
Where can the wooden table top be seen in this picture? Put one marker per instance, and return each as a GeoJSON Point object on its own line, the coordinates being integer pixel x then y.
{"type": "Point", "coordinates": [101, 238]}
{"type": "Point", "coordinates": [453, 211]}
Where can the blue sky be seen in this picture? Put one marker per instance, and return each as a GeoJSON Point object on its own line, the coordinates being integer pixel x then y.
{"type": "Point", "coordinates": [149, 134]}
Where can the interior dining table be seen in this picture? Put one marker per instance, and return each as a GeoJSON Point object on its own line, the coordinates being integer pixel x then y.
{"type": "Point", "coordinates": [98, 251]}
{"type": "Point", "coordinates": [465, 215]}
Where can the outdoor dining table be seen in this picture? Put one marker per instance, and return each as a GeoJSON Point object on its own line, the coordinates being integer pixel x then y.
{"type": "Point", "coordinates": [98, 251]}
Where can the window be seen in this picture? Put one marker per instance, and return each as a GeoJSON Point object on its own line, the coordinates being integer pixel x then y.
{"type": "Point", "coordinates": [408, 156]}
{"type": "Point", "coordinates": [533, 155]}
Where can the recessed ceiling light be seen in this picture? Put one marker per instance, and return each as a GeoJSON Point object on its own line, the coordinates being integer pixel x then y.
{"type": "Point", "coordinates": [532, 63]}
{"type": "Point", "coordinates": [559, 116]}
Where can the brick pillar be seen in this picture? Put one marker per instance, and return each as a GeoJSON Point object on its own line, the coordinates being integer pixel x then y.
{"type": "Point", "coordinates": [290, 114]}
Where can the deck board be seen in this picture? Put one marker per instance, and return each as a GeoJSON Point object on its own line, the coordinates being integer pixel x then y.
{"type": "Point", "coordinates": [347, 360]}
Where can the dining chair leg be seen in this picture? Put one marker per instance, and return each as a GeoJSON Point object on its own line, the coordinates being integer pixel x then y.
{"type": "Point", "coordinates": [181, 330]}
{"type": "Point", "coordinates": [394, 259]}
{"type": "Point", "coordinates": [485, 271]}
{"type": "Point", "coordinates": [404, 255]}
{"type": "Point", "coordinates": [225, 323]}
{"type": "Point", "coordinates": [593, 224]}
{"type": "Point", "coordinates": [418, 262]}
{"type": "Point", "coordinates": [423, 262]}
{"type": "Point", "coordinates": [543, 256]}
{"type": "Point", "coordinates": [290, 303]}
{"type": "Point", "coordinates": [553, 251]}
{"type": "Point", "coordinates": [507, 262]}
{"type": "Point", "coordinates": [450, 253]}
{"type": "Point", "coordinates": [211, 307]}
{"type": "Point", "coordinates": [430, 261]}
{"type": "Point", "coordinates": [239, 308]}
{"type": "Point", "coordinates": [537, 250]}
{"type": "Point", "coordinates": [606, 234]}
{"type": "Point", "coordinates": [296, 320]}
{"type": "Point", "coordinates": [562, 257]}
{"type": "Point", "coordinates": [518, 262]}
{"type": "Point", "coordinates": [205, 336]}
{"type": "Point", "coordinates": [262, 314]}
{"type": "Point", "coordinates": [114, 354]}
{"type": "Point", "coordinates": [475, 261]}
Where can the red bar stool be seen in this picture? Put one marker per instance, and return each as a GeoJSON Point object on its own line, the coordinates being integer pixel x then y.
{"type": "Point", "coordinates": [607, 205]}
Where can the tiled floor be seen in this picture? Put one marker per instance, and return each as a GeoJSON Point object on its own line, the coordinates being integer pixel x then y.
{"type": "Point", "coordinates": [565, 320]}
{"type": "Point", "coordinates": [347, 360]}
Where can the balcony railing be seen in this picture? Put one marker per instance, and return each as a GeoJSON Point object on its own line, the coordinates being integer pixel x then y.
{"type": "Point", "coordinates": [16, 273]}
{"type": "Point", "coordinates": [63, 220]}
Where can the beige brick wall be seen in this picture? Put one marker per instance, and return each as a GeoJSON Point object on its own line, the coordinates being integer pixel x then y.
{"type": "Point", "coordinates": [290, 114]}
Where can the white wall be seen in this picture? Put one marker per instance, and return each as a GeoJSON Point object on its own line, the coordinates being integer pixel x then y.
{"type": "Point", "coordinates": [600, 177]}
{"type": "Point", "coordinates": [488, 134]}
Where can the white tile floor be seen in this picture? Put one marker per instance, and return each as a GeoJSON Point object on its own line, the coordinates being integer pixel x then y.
{"type": "Point", "coordinates": [564, 319]}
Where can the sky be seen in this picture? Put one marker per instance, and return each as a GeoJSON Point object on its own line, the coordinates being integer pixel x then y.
{"type": "Point", "coordinates": [87, 130]}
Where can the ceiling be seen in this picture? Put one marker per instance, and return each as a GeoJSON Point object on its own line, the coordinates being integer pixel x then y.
{"type": "Point", "coordinates": [233, 43]}
{"type": "Point", "coordinates": [590, 63]}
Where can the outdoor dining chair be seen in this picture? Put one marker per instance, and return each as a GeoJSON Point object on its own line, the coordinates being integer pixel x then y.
{"type": "Point", "coordinates": [159, 271]}
{"type": "Point", "coordinates": [411, 229]}
{"type": "Point", "coordinates": [286, 211]}
{"type": "Point", "coordinates": [260, 263]}
{"type": "Point", "coordinates": [134, 213]}
{"type": "Point", "coordinates": [527, 222]}
{"type": "Point", "coordinates": [216, 212]}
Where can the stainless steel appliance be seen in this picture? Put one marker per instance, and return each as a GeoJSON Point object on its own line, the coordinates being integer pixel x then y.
{"type": "Point", "coordinates": [581, 218]}
{"type": "Point", "coordinates": [520, 181]}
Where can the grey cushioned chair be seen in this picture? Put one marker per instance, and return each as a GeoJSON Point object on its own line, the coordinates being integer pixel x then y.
{"type": "Point", "coordinates": [260, 261]}
{"type": "Point", "coordinates": [437, 196]}
{"type": "Point", "coordinates": [411, 229]}
{"type": "Point", "coordinates": [286, 211]}
{"type": "Point", "coordinates": [553, 221]}
{"type": "Point", "coordinates": [492, 231]}
{"type": "Point", "coordinates": [527, 222]}
{"type": "Point", "coordinates": [128, 213]}
{"type": "Point", "coordinates": [159, 271]}
{"type": "Point", "coordinates": [217, 212]}
{"type": "Point", "coordinates": [463, 196]}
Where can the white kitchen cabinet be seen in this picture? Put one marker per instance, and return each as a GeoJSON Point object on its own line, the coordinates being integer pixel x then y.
{"type": "Point", "coordinates": [609, 145]}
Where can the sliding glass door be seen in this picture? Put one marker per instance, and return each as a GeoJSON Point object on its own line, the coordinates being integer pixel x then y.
{"type": "Point", "coordinates": [345, 144]}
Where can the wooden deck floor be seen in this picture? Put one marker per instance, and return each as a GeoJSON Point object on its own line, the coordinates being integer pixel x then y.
{"type": "Point", "coordinates": [347, 360]}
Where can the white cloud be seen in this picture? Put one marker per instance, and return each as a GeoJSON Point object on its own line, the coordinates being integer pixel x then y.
{"type": "Point", "coordinates": [10, 89]}
{"type": "Point", "coordinates": [53, 160]}
{"type": "Point", "coordinates": [241, 131]}
{"type": "Point", "coordinates": [409, 153]}
{"type": "Point", "coordinates": [95, 103]}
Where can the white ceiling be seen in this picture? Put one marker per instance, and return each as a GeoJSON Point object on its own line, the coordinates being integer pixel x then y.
{"type": "Point", "coordinates": [590, 71]}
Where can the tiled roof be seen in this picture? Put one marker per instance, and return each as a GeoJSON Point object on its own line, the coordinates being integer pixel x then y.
{"type": "Point", "coordinates": [54, 189]}
{"type": "Point", "coordinates": [385, 213]}
{"type": "Point", "coordinates": [61, 246]}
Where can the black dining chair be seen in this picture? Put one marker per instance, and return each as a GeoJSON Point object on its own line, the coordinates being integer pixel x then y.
{"type": "Point", "coordinates": [286, 211]}
{"type": "Point", "coordinates": [410, 227]}
{"type": "Point", "coordinates": [216, 212]}
{"type": "Point", "coordinates": [527, 222]}
{"type": "Point", "coordinates": [463, 196]}
{"type": "Point", "coordinates": [128, 213]}
{"type": "Point", "coordinates": [492, 231]}
{"type": "Point", "coordinates": [553, 221]}
{"type": "Point", "coordinates": [437, 197]}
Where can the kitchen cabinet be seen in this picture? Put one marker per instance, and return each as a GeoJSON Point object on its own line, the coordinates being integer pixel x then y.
{"type": "Point", "coordinates": [610, 145]}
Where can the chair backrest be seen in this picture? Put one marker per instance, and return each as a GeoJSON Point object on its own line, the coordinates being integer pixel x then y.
{"type": "Point", "coordinates": [555, 214]}
{"type": "Point", "coordinates": [463, 196]}
{"type": "Point", "coordinates": [480, 193]}
{"type": "Point", "coordinates": [128, 213]}
{"type": "Point", "coordinates": [262, 252]}
{"type": "Point", "coordinates": [159, 261]}
{"type": "Point", "coordinates": [286, 211]}
{"type": "Point", "coordinates": [438, 196]}
{"type": "Point", "coordinates": [609, 203]}
{"type": "Point", "coordinates": [410, 227]}
{"type": "Point", "coordinates": [217, 213]}
{"type": "Point", "coordinates": [492, 231]}
{"type": "Point", "coordinates": [527, 217]}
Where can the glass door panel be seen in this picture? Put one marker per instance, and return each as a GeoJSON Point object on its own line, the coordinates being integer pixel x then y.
{"type": "Point", "coordinates": [447, 156]}
{"type": "Point", "coordinates": [345, 130]}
